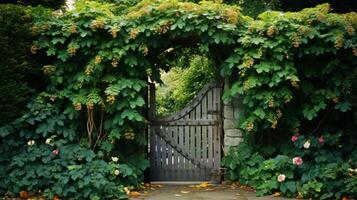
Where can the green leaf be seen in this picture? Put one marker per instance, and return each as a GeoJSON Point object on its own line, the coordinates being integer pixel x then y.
{"type": "Point", "coordinates": [291, 186]}
{"type": "Point", "coordinates": [260, 113]}
{"type": "Point", "coordinates": [343, 107]}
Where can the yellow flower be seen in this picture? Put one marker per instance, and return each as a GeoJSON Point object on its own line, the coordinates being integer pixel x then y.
{"type": "Point", "coordinates": [271, 30]}
{"type": "Point", "coordinates": [111, 99]}
{"type": "Point", "coordinates": [114, 33]}
{"type": "Point", "coordinates": [72, 51]}
{"type": "Point", "coordinates": [350, 30]}
{"type": "Point", "coordinates": [97, 24]}
{"type": "Point", "coordinates": [134, 33]}
{"type": "Point", "coordinates": [90, 105]}
{"type": "Point", "coordinates": [339, 42]}
{"type": "Point", "coordinates": [33, 49]}
{"type": "Point", "coordinates": [77, 106]}
{"type": "Point", "coordinates": [73, 28]}
{"type": "Point", "coordinates": [97, 59]}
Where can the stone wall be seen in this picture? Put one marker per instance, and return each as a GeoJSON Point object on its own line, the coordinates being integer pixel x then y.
{"type": "Point", "coordinates": [232, 111]}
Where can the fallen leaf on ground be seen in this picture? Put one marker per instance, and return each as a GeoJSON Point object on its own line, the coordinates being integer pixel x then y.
{"type": "Point", "coordinates": [204, 185]}
{"type": "Point", "coordinates": [24, 194]}
{"type": "Point", "coordinates": [134, 194]}
{"type": "Point", "coordinates": [237, 194]}
{"type": "Point", "coordinates": [277, 194]}
{"type": "Point", "coordinates": [178, 195]}
{"type": "Point", "coordinates": [185, 192]}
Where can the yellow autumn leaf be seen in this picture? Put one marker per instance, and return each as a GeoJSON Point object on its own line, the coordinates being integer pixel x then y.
{"type": "Point", "coordinates": [134, 194]}
{"type": "Point", "coordinates": [277, 194]}
{"type": "Point", "coordinates": [185, 192]}
{"type": "Point", "coordinates": [204, 185]}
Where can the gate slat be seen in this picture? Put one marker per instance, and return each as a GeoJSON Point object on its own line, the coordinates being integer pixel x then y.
{"type": "Point", "coordinates": [217, 134]}
{"type": "Point", "coordinates": [187, 147]}
{"type": "Point", "coordinates": [169, 156]}
{"type": "Point", "coordinates": [192, 145]}
{"type": "Point", "coordinates": [181, 161]}
{"type": "Point", "coordinates": [175, 134]}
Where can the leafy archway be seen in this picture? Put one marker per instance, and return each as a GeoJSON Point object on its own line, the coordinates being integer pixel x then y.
{"type": "Point", "coordinates": [93, 110]}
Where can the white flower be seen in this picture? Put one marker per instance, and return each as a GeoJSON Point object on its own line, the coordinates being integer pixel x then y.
{"type": "Point", "coordinates": [48, 140]}
{"type": "Point", "coordinates": [307, 144]}
{"type": "Point", "coordinates": [115, 159]}
{"type": "Point", "coordinates": [116, 172]}
{"type": "Point", "coordinates": [281, 178]}
{"type": "Point", "coordinates": [31, 142]}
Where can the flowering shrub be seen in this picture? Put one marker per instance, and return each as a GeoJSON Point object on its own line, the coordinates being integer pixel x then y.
{"type": "Point", "coordinates": [323, 170]}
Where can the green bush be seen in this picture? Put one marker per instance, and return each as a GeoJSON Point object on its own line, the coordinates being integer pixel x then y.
{"type": "Point", "coordinates": [20, 70]}
{"type": "Point", "coordinates": [328, 169]}
{"type": "Point", "coordinates": [44, 155]}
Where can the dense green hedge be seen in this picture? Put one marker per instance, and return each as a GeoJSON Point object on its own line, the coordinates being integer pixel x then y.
{"type": "Point", "coordinates": [20, 69]}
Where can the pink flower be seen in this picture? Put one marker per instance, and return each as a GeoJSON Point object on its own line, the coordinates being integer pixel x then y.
{"type": "Point", "coordinates": [321, 139]}
{"type": "Point", "coordinates": [297, 161]}
{"type": "Point", "coordinates": [295, 137]}
{"type": "Point", "coordinates": [281, 178]}
{"type": "Point", "coordinates": [55, 152]}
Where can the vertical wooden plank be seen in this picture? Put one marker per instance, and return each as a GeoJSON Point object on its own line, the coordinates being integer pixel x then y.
{"type": "Point", "coordinates": [157, 155]}
{"type": "Point", "coordinates": [169, 155]}
{"type": "Point", "coordinates": [192, 145]}
{"type": "Point", "coordinates": [165, 155]}
{"type": "Point", "coordinates": [175, 165]}
{"type": "Point", "coordinates": [181, 159]}
{"type": "Point", "coordinates": [205, 133]}
{"type": "Point", "coordinates": [187, 148]}
{"type": "Point", "coordinates": [160, 170]}
{"type": "Point", "coordinates": [202, 136]}
{"type": "Point", "coordinates": [213, 127]}
{"type": "Point", "coordinates": [197, 141]}
{"type": "Point", "coordinates": [218, 132]}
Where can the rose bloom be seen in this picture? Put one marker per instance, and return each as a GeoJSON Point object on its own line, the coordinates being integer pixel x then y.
{"type": "Point", "coordinates": [31, 142]}
{"type": "Point", "coordinates": [297, 161]}
{"type": "Point", "coordinates": [55, 152]}
{"type": "Point", "coordinates": [48, 141]}
{"type": "Point", "coordinates": [281, 178]}
{"type": "Point", "coordinates": [321, 139]}
{"type": "Point", "coordinates": [294, 138]}
{"type": "Point", "coordinates": [115, 159]}
{"type": "Point", "coordinates": [116, 172]}
{"type": "Point", "coordinates": [307, 144]}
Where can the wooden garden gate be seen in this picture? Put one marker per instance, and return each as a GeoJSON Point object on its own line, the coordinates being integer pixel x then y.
{"type": "Point", "coordinates": [187, 145]}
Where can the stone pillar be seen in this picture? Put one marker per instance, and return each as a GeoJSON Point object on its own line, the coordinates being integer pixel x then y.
{"type": "Point", "coordinates": [232, 111]}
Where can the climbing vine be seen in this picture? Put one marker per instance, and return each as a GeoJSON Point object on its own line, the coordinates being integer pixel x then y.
{"type": "Point", "coordinates": [95, 102]}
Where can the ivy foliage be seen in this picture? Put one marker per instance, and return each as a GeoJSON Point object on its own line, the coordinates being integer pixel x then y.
{"type": "Point", "coordinates": [100, 62]}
